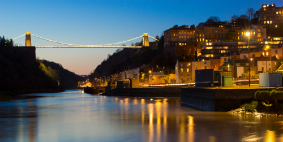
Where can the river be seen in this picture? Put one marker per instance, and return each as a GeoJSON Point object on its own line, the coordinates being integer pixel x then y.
{"type": "Point", "coordinates": [76, 116]}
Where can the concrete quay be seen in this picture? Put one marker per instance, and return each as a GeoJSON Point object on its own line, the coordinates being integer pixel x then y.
{"type": "Point", "coordinates": [218, 98]}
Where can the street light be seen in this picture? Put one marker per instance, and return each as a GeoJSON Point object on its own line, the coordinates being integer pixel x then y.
{"type": "Point", "coordinates": [248, 35]}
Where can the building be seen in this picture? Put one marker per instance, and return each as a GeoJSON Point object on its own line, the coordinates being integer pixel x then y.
{"type": "Point", "coordinates": [178, 38]}
{"type": "Point", "coordinates": [266, 64]}
{"type": "Point", "coordinates": [270, 16]}
{"type": "Point", "coordinates": [183, 72]}
{"type": "Point", "coordinates": [242, 50]}
{"type": "Point", "coordinates": [241, 68]}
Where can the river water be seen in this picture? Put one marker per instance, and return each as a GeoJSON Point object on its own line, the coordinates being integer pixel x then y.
{"type": "Point", "coordinates": [75, 116]}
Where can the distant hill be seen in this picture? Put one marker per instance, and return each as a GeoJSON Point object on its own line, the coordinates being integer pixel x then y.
{"type": "Point", "coordinates": [67, 78]}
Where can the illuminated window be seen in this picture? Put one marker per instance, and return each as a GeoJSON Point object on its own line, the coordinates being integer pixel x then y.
{"type": "Point", "coordinates": [267, 22]}
{"type": "Point", "coordinates": [225, 47]}
{"type": "Point", "coordinates": [266, 53]}
{"type": "Point", "coordinates": [264, 22]}
{"type": "Point", "coordinates": [270, 22]}
{"type": "Point", "coordinates": [276, 12]}
{"type": "Point", "coordinates": [209, 48]}
{"type": "Point", "coordinates": [275, 26]}
{"type": "Point", "coordinates": [188, 64]}
{"type": "Point", "coordinates": [181, 69]}
{"type": "Point", "coordinates": [258, 34]}
{"type": "Point", "coordinates": [187, 70]}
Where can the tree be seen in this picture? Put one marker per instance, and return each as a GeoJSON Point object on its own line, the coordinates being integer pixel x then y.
{"type": "Point", "coordinates": [231, 35]}
{"type": "Point", "coordinates": [212, 20]}
{"type": "Point", "coordinates": [243, 22]}
{"type": "Point", "coordinates": [250, 13]}
{"type": "Point", "coordinates": [234, 18]}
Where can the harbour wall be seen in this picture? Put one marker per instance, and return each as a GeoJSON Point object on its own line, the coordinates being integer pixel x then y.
{"type": "Point", "coordinates": [206, 99]}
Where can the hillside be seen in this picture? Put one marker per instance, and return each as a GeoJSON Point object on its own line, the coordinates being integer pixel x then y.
{"type": "Point", "coordinates": [127, 58]}
{"type": "Point", "coordinates": [68, 79]}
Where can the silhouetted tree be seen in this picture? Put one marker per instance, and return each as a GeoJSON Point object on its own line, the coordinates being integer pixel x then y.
{"type": "Point", "coordinates": [243, 22]}
{"type": "Point", "coordinates": [212, 20]}
{"type": "Point", "coordinates": [231, 35]}
{"type": "Point", "coordinates": [234, 18]}
{"type": "Point", "coordinates": [250, 13]}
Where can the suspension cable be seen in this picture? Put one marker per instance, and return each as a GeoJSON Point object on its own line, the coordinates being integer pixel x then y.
{"type": "Point", "coordinates": [152, 38]}
{"type": "Point", "coordinates": [15, 38]}
{"type": "Point", "coordinates": [52, 40]}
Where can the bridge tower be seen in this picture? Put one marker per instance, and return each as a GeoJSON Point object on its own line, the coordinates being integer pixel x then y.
{"type": "Point", "coordinates": [145, 41]}
{"type": "Point", "coordinates": [28, 39]}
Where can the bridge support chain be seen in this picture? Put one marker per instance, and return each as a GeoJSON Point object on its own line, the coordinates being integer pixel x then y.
{"type": "Point", "coordinates": [145, 41]}
{"type": "Point", "coordinates": [28, 39]}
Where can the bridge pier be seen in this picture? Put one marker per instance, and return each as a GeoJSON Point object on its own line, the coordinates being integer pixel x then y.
{"type": "Point", "coordinates": [145, 41]}
{"type": "Point", "coordinates": [28, 39]}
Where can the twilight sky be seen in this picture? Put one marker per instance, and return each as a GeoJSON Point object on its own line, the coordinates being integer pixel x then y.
{"type": "Point", "coordinates": [95, 22]}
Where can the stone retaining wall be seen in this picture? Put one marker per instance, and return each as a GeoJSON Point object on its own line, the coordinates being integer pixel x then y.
{"type": "Point", "coordinates": [216, 99]}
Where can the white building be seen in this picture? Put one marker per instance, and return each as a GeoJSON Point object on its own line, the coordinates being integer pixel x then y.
{"type": "Point", "coordinates": [266, 64]}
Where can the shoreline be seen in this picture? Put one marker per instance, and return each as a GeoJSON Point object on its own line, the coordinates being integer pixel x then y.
{"type": "Point", "coordinates": [7, 96]}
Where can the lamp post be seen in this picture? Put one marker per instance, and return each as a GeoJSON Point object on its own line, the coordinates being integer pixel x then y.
{"type": "Point", "coordinates": [248, 35]}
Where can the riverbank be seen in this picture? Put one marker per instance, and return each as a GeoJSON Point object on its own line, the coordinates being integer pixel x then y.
{"type": "Point", "coordinates": [6, 96]}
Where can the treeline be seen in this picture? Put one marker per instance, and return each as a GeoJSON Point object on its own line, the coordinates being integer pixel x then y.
{"type": "Point", "coordinates": [19, 72]}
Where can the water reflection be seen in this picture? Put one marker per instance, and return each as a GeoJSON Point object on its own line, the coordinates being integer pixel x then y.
{"type": "Point", "coordinates": [270, 136]}
{"type": "Point", "coordinates": [75, 116]}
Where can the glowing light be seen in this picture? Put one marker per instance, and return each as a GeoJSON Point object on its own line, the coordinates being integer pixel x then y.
{"type": "Point", "coordinates": [248, 33]}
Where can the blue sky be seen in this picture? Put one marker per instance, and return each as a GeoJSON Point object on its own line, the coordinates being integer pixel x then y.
{"type": "Point", "coordinates": [96, 22]}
